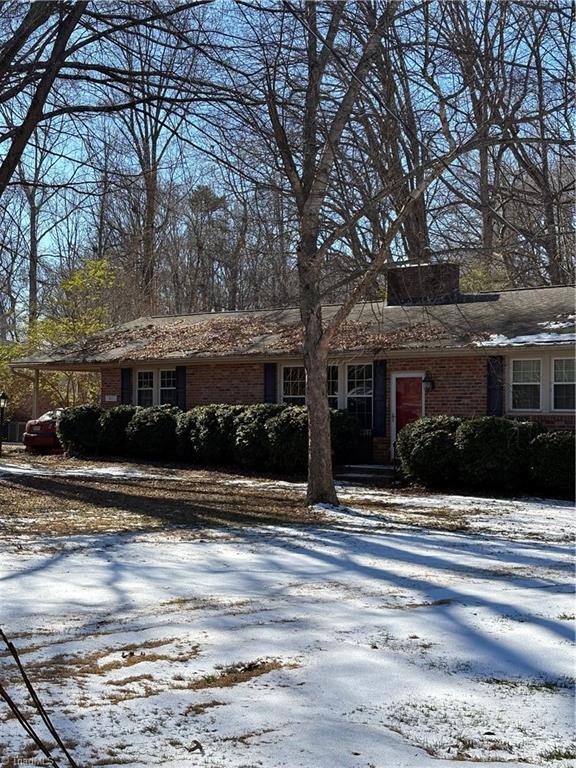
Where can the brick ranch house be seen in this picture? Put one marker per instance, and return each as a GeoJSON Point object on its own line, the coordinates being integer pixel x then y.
{"type": "Point", "coordinates": [429, 350]}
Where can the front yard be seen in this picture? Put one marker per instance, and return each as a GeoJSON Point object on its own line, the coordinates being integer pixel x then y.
{"type": "Point", "coordinates": [158, 607]}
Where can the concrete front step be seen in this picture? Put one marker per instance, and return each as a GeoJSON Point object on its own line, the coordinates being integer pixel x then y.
{"type": "Point", "coordinates": [366, 474]}
{"type": "Point", "coordinates": [366, 469]}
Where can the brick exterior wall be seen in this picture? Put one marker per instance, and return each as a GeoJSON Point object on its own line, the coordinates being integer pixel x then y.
{"type": "Point", "coordinates": [460, 385]}
{"type": "Point", "coordinates": [551, 421]}
{"type": "Point", "coordinates": [110, 385]}
{"type": "Point", "coordinates": [234, 383]}
{"type": "Point", "coordinates": [460, 390]}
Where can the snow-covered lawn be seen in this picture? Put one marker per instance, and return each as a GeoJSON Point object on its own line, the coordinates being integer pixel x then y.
{"type": "Point", "coordinates": [400, 631]}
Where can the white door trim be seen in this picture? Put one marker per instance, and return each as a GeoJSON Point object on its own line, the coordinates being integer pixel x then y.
{"type": "Point", "coordinates": [394, 378]}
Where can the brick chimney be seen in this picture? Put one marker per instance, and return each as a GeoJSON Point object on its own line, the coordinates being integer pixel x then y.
{"type": "Point", "coordinates": [424, 284]}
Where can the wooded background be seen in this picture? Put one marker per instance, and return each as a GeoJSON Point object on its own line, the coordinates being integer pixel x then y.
{"type": "Point", "coordinates": [153, 154]}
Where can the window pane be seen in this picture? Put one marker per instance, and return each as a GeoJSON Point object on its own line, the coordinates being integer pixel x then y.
{"type": "Point", "coordinates": [294, 384]}
{"type": "Point", "coordinates": [564, 397]}
{"type": "Point", "coordinates": [294, 400]}
{"type": "Point", "coordinates": [564, 371]}
{"type": "Point", "coordinates": [167, 397]}
{"type": "Point", "coordinates": [145, 397]}
{"type": "Point", "coordinates": [526, 397]}
{"type": "Point", "coordinates": [359, 380]}
{"type": "Point", "coordinates": [361, 407]}
{"type": "Point", "coordinates": [332, 380]}
{"type": "Point", "coordinates": [145, 380]}
{"type": "Point", "coordinates": [333, 403]}
{"type": "Point", "coordinates": [167, 379]}
{"type": "Point", "coordinates": [526, 371]}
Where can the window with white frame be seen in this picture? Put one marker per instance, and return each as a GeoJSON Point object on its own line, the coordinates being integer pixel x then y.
{"type": "Point", "coordinates": [332, 385]}
{"type": "Point", "coordinates": [563, 384]}
{"type": "Point", "coordinates": [145, 388]}
{"type": "Point", "coordinates": [526, 385]}
{"type": "Point", "coordinates": [359, 393]}
{"type": "Point", "coordinates": [294, 385]}
{"type": "Point", "coordinates": [156, 388]}
{"type": "Point", "coordinates": [168, 395]}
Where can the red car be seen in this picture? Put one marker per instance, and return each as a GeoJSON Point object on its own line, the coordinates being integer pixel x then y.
{"type": "Point", "coordinates": [40, 435]}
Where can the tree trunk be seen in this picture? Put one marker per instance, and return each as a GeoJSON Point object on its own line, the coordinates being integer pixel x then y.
{"type": "Point", "coordinates": [551, 238]}
{"type": "Point", "coordinates": [33, 258]}
{"type": "Point", "coordinates": [320, 478]}
{"type": "Point", "coordinates": [148, 244]}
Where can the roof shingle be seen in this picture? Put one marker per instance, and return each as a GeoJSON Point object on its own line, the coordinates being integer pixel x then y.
{"type": "Point", "coordinates": [371, 327]}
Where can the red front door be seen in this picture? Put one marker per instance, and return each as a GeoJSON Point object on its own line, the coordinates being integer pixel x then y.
{"type": "Point", "coordinates": [408, 400]}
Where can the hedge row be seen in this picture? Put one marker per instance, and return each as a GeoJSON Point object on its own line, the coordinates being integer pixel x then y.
{"type": "Point", "coordinates": [488, 453]}
{"type": "Point", "coordinates": [259, 437]}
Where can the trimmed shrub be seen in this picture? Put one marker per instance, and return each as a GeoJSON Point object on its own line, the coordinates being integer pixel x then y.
{"type": "Point", "coordinates": [216, 433]}
{"type": "Point", "coordinates": [434, 460]}
{"type": "Point", "coordinates": [187, 436]}
{"type": "Point", "coordinates": [420, 433]}
{"type": "Point", "coordinates": [552, 457]}
{"type": "Point", "coordinates": [251, 444]}
{"type": "Point", "coordinates": [78, 430]}
{"type": "Point", "coordinates": [288, 440]}
{"type": "Point", "coordinates": [151, 432]}
{"type": "Point", "coordinates": [492, 453]}
{"type": "Point", "coordinates": [527, 431]}
{"type": "Point", "coordinates": [113, 423]}
{"type": "Point", "coordinates": [346, 434]}
{"type": "Point", "coordinates": [283, 445]}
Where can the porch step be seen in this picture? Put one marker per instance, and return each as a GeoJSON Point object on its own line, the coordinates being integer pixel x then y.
{"type": "Point", "coordinates": [366, 474]}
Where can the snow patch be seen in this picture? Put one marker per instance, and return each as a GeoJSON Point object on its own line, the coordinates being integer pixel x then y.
{"type": "Point", "coordinates": [498, 340]}
{"type": "Point", "coordinates": [114, 471]}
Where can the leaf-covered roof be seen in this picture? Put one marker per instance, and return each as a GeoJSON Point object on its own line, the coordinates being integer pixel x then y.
{"type": "Point", "coordinates": [535, 316]}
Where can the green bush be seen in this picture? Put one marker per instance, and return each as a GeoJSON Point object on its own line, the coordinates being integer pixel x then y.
{"type": "Point", "coordinates": [187, 436]}
{"type": "Point", "coordinates": [216, 434]}
{"type": "Point", "coordinates": [420, 433]}
{"type": "Point", "coordinates": [151, 432]}
{"type": "Point", "coordinates": [283, 445]}
{"type": "Point", "coordinates": [288, 439]}
{"type": "Point", "coordinates": [251, 445]}
{"type": "Point", "coordinates": [434, 460]}
{"type": "Point", "coordinates": [346, 434]}
{"type": "Point", "coordinates": [493, 453]}
{"type": "Point", "coordinates": [78, 430]}
{"type": "Point", "coordinates": [112, 430]}
{"type": "Point", "coordinates": [527, 431]}
{"type": "Point", "coordinates": [552, 457]}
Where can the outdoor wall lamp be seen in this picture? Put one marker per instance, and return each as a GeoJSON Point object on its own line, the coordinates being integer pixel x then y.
{"type": "Point", "coordinates": [3, 403]}
{"type": "Point", "coordinates": [428, 382]}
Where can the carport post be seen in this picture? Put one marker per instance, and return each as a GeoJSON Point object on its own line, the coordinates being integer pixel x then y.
{"type": "Point", "coordinates": [35, 391]}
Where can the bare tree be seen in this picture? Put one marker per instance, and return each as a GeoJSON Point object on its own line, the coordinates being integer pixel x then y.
{"type": "Point", "coordinates": [54, 43]}
{"type": "Point", "coordinates": [304, 87]}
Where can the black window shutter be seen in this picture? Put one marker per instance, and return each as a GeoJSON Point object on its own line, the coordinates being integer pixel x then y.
{"type": "Point", "coordinates": [270, 381]}
{"type": "Point", "coordinates": [379, 420]}
{"type": "Point", "coordinates": [181, 386]}
{"type": "Point", "coordinates": [495, 377]}
{"type": "Point", "coordinates": [126, 386]}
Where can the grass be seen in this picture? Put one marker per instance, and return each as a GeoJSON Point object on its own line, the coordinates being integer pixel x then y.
{"type": "Point", "coordinates": [174, 498]}
{"type": "Point", "coordinates": [555, 685]}
{"type": "Point", "coordinates": [199, 709]}
{"type": "Point", "coordinates": [83, 665]}
{"type": "Point", "coordinates": [560, 753]}
{"type": "Point", "coordinates": [237, 673]}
